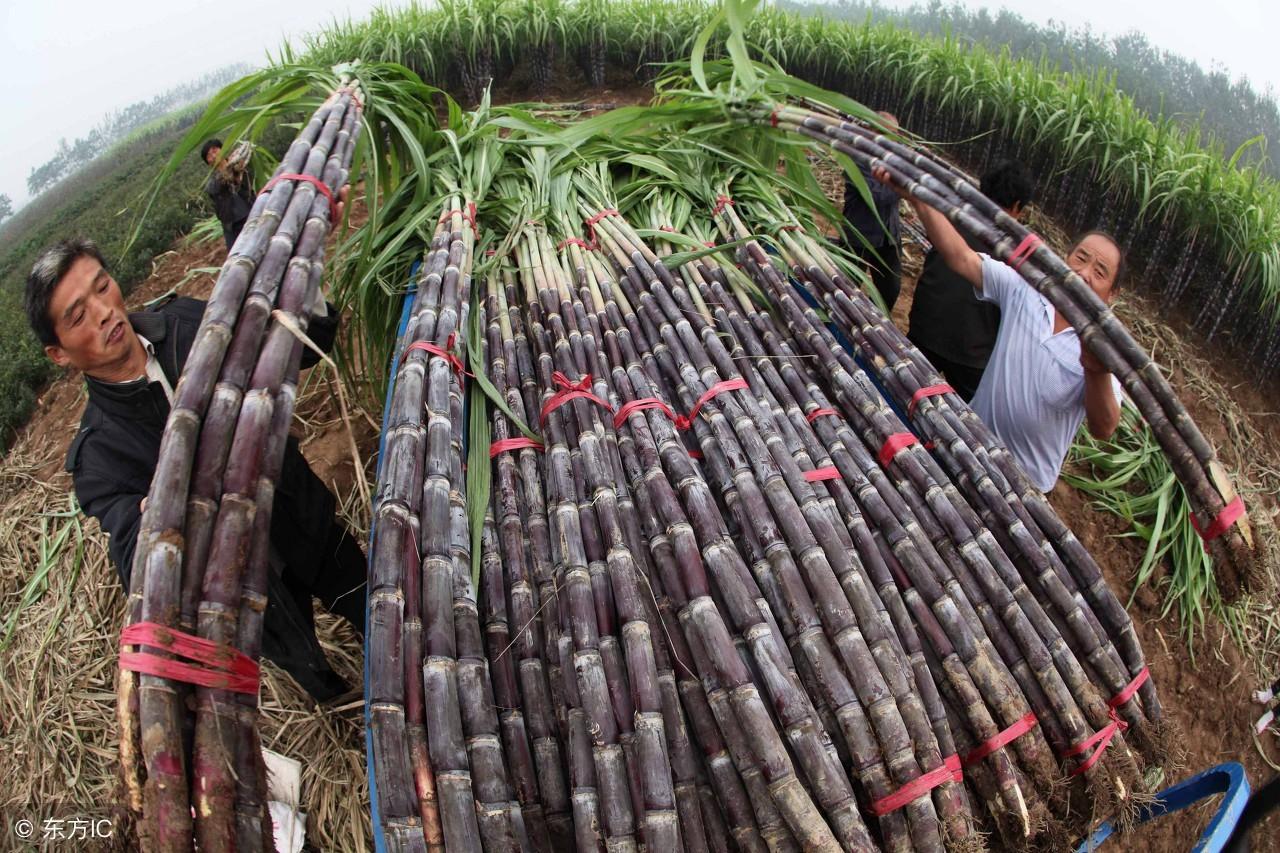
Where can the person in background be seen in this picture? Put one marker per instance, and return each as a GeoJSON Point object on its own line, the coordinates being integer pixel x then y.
{"type": "Point", "coordinates": [1040, 383]}
{"type": "Point", "coordinates": [230, 187]}
{"type": "Point", "coordinates": [131, 364]}
{"type": "Point", "coordinates": [874, 232]}
{"type": "Point", "coordinates": [949, 323]}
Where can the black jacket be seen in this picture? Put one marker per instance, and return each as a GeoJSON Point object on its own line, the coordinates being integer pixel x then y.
{"type": "Point", "coordinates": [231, 201]}
{"type": "Point", "coordinates": [114, 456]}
{"type": "Point", "coordinates": [865, 220]}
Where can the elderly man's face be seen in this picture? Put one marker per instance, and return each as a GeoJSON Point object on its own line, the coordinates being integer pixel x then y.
{"type": "Point", "coordinates": [1096, 260]}
{"type": "Point", "coordinates": [90, 320]}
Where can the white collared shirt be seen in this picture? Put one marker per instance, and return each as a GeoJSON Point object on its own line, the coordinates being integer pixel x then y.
{"type": "Point", "coordinates": [1032, 394]}
{"type": "Point", "coordinates": [155, 373]}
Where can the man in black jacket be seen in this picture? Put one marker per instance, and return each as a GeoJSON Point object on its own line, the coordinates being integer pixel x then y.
{"type": "Point", "coordinates": [230, 187]}
{"type": "Point", "coordinates": [131, 364]}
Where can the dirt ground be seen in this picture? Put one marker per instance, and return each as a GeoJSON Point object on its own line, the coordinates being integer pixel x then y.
{"type": "Point", "coordinates": [1208, 698]}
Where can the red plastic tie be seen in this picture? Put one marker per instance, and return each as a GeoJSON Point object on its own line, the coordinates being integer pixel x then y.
{"type": "Point", "coordinates": [574, 241]}
{"type": "Point", "coordinates": [570, 391]}
{"type": "Point", "coordinates": [817, 413]}
{"type": "Point", "coordinates": [918, 787]}
{"type": "Point", "coordinates": [445, 352]}
{"type": "Point", "coordinates": [217, 666]}
{"type": "Point", "coordinates": [667, 228]}
{"type": "Point", "coordinates": [640, 405]}
{"type": "Point", "coordinates": [513, 444]}
{"type": "Point", "coordinates": [1002, 739]}
{"type": "Point", "coordinates": [1229, 515]}
{"type": "Point", "coordinates": [1024, 251]}
{"type": "Point", "coordinates": [927, 391]}
{"type": "Point", "coordinates": [773, 116]}
{"type": "Point", "coordinates": [893, 445]}
{"type": "Point", "coordinates": [695, 454]}
{"type": "Point", "coordinates": [708, 244]}
{"type": "Point", "coordinates": [1103, 737]}
{"type": "Point", "coordinates": [684, 422]}
{"type": "Point", "coordinates": [830, 472]}
{"type": "Point", "coordinates": [792, 227]}
{"type": "Point", "coordinates": [307, 179]}
{"type": "Point", "coordinates": [722, 201]}
{"type": "Point", "coordinates": [445, 217]}
{"type": "Point", "coordinates": [591, 223]}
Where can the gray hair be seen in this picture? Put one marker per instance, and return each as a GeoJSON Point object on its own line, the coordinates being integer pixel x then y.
{"type": "Point", "coordinates": [49, 269]}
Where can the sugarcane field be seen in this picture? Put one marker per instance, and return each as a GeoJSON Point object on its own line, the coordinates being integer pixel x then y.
{"type": "Point", "coordinates": [643, 425]}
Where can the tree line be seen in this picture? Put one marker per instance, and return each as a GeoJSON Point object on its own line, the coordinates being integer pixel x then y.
{"type": "Point", "coordinates": [118, 125]}
{"type": "Point", "coordinates": [1161, 83]}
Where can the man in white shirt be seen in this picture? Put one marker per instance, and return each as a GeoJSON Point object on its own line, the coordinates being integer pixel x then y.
{"type": "Point", "coordinates": [1040, 382]}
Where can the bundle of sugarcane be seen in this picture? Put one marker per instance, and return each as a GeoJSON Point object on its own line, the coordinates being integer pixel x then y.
{"type": "Point", "coordinates": [200, 569]}
{"type": "Point", "coordinates": [773, 621]}
{"type": "Point", "coordinates": [1061, 692]}
{"type": "Point", "coordinates": [1219, 511]}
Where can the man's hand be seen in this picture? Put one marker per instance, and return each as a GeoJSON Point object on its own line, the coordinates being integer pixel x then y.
{"type": "Point", "coordinates": [1101, 411]}
{"type": "Point", "coordinates": [142, 507]}
{"type": "Point", "coordinates": [1090, 362]}
{"type": "Point", "coordinates": [881, 174]}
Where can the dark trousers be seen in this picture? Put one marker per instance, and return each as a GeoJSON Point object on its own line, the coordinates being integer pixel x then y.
{"type": "Point", "coordinates": [961, 377]}
{"type": "Point", "coordinates": [884, 263]}
{"type": "Point", "coordinates": [232, 231]}
{"type": "Point", "coordinates": [289, 631]}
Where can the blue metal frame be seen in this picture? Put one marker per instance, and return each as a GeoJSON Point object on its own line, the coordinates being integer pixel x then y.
{"type": "Point", "coordinates": [1228, 779]}
{"type": "Point", "coordinates": [379, 841]}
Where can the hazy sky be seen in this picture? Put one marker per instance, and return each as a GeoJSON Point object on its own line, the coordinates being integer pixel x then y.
{"type": "Point", "coordinates": [75, 60]}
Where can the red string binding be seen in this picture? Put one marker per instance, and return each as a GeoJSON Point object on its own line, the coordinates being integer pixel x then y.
{"type": "Point", "coordinates": [684, 422]}
{"type": "Point", "coordinates": [667, 228]}
{"type": "Point", "coordinates": [1103, 737]}
{"type": "Point", "coordinates": [217, 666]}
{"type": "Point", "coordinates": [519, 443]}
{"type": "Point", "coordinates": [469, 215]}
{"type": "Point", "coordinates": [307, 179]}
{"type": "Point", "coordinates": [1220, 525]}
{"type": "Point", "coordinates": [695, 454]}
{"type": "Point", "coordinates": [445, 352]}
{"type": "Point", "coordinates": [570, 391]}
{"type": "Point", "coordinates": [591, 223]}
{"type": "Point", "coordinates": [927, 391]}
{"type": "Point", "coordinates": [918, 787]}
{"type": "Point", "coordinates": [1024, 251]}
{"type": "Point", "coordinates": [574, 241]}
{"type": "Point", "coordinates": [893, 445]}
{"type": "Point", "coordinates": [830, 472]}
{"type": "Point", "coordinates": [640, 405]}
{"type": "Point", "coordinates": [722, 201]}
{"type": "Point", "coordinates": [1002, 739]}
{"type": "Point", "coordinates": [773, 116]}
{"type": "Point", "coordinates": [817, 413]}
